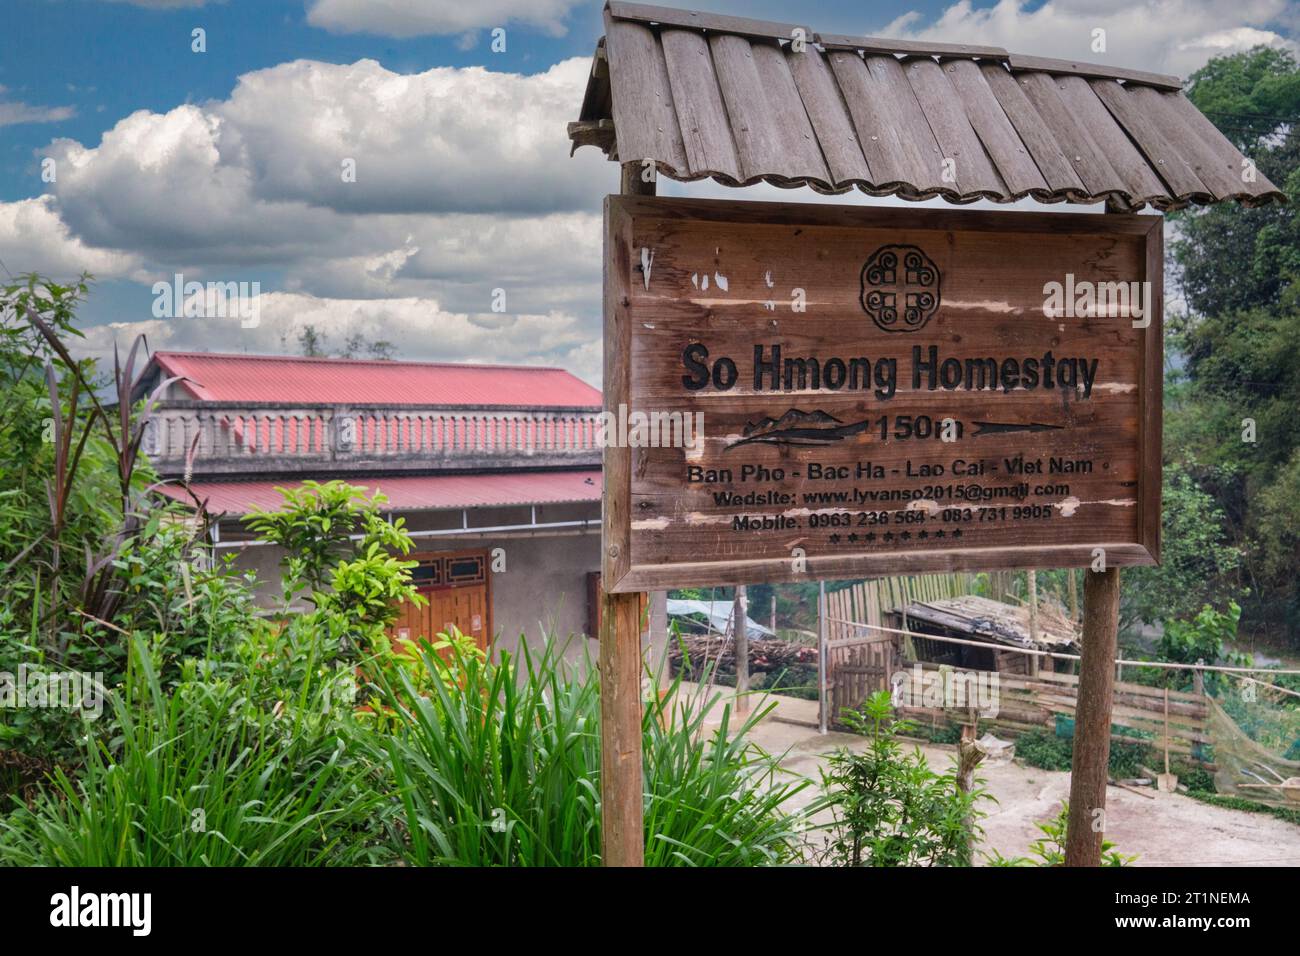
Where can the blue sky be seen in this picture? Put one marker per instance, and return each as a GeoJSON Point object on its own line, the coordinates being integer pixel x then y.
{"type": "Point", "coordinates": [221, 164]}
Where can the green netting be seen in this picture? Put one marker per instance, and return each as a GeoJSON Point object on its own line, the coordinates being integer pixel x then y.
{"type": "Point", "coordinates": [1065, 730]}
{"type": "Point", "coordinates": [1256, 734]}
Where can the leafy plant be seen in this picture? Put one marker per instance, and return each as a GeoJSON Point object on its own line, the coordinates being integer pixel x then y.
{"type": "Point", "coordinates": [890, 808]}
{"type": "Point", "coordinates": [1049, 850]}
{"type": "Point", "coordinates": [1047, 751]}
{"type": "Point", "coordinates": [322, 526]}
{"type": "Point", "coordinates": [503, 769]}
{"type": "Point", "coordinates": [209, 773]}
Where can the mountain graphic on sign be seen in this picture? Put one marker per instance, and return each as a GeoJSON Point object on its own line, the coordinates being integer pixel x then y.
{"type": "Point", "coordinates": [797, 427]}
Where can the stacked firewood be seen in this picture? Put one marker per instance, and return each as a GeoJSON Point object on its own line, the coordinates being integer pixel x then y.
{"type": "Point", "coordinates": [695, 652]}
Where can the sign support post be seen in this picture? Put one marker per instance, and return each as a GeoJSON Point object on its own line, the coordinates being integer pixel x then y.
{"type": "Point", "coordinates": [1089, 764]}
{"type": "Point", "coordinates": [622, 831]}
{"type": "Point", "coordinates": [1090, 756]}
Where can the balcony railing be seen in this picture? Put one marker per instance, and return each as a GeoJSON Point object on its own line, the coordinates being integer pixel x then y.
{"type": "Point", "coordinates": [230, 438]}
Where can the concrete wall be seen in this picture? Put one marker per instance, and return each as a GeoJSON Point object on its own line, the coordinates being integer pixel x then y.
{"type": "Point", "coordinates": [543, 589]}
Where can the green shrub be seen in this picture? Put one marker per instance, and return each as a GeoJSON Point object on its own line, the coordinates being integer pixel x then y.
{"type": "Point", "coordinates": [1048, 751]}
{"type": "Point", "coordinates": [209, 773]}
{"type": "Point", "coordinates": [889, 807]}
{"type": "Point", "coordinates": [1044, 750]}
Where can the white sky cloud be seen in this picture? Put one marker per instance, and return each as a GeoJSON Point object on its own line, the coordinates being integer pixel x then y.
{"type": "Point", "coordinates": [413, 325]}
{"type": "Point", "coordinates": [464, 185]}
{"type": "Point", "coordinates": [34, 239]}
{"type": "Point", "coordinates": [408, 18]}
{"type": "Point", "coordinates": [464, 182]}
{"type": "Point", "coordinates": [449, 138]}
{"type": "Point", "coordinates": [13, 113]}
{"type": "Point", "coordinates": [1166, 36]}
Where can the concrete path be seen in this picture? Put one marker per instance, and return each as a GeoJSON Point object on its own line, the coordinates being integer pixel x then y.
{"type": "Point", "coordinates": [1163, 829]}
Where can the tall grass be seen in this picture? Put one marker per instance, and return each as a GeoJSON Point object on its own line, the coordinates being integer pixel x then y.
{"type": "Point", "coordinates": [504, 770]}
{"type": "Point", "coordinates": [494, 764]}
{"type": "Point", "coordinates": [203, 776]}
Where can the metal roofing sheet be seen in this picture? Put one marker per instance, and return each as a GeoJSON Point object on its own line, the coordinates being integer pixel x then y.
{"type": "Point", "coordinates": [285, 379]}
{"type": "Point", "coordinates": [729, 98]}
{"type": "Point", "coordinates": [411, 492]}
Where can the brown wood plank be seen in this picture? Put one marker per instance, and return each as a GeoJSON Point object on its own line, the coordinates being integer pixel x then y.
{"type": "Point", "coordinates": [1086, 156]}
{"type": "Point", "coordinates": [701, 114]}
{"type": "Point", "coordinates": [1151, 394]}
{"type": "Point", "coordinates": [1139, 715]}
{"type": "Point", "coordinates": [1054, 166]}
{"type": "Point", "coordinates": [740, 26]}
{"type": "Point", "coordinates": [1196, 121]}
{"type": "Point", "coordinates": [689, 530]}
{"type": "Point", "coordinates": [759, 143]}
{"type": "Point", "coordinates": [622, 830]}
{"type": "Point", "coordinates": [1147, 131]}
{"type": "Point", "coordinates": [948, 121]}
{"type": "Point", "coordinates": [1009, 154]}
{"type": "Point", "coordinates": [1220, 177]}
{"type": "Point", "coordinates": [1044, 64]}
{"type": "Point", "coordinates": [879, 141]}
{"type": "Point", "coordinates": [645, 121]}
{"type": "Point", "coordinates": [941, 218]}
{"type": "Point", "coordinates": [795, 137]}
{"type": "Point", "coordinates": [831, 123]}
{"type": "Point", "coordinates": [1088, 111]}
{"type": "Point", "coordinates": [840, 41]}
{"type": "Point", "coordinates": [1091, 751]}
{"type": "Point", "coordinates": [903, 113]}
{"type": "Point", "coordinates": [616, 471]}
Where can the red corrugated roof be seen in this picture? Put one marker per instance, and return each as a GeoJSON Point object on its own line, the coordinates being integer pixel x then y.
{"type": "Point", "coordinates": [413, 492]}
{"type": "Point", "coordinates": [214, 376]}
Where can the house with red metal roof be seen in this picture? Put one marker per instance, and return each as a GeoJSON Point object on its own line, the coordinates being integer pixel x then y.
{"type": "Point", "coordinates": [495, 469]}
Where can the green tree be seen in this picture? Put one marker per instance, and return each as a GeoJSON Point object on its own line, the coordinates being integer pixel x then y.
{"type": "Point", "coordinates": [1231, 422]}
{"type": "Point", "coordinates": [1198, 565]}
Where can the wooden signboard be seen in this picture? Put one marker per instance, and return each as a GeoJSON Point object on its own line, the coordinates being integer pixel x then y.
{"type": "Point", "coordinates": [795, 392]}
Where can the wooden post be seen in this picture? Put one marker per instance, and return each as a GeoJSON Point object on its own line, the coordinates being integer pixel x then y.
{"type": "Point", "coordinates": [632, 181]}
{"type": "Point", "coordinates": [773, 625]}
{"type": "Point", "coordinates": [622, 827]}
{"type": "Point", "coordinates": [823, 654]}
{"type": "Point", "coordinates": [622, 798]}
{"type": "Point", "coordinates": [1073, 588]}
{"type": "Point", "coordinates": [1033, 620]}
{"type": "Point", "coordinates": [1089, 766]}
{"type": "Point", "coordinates": [740, 628]}
{"type": "Point", "coordinates": [969, 756]}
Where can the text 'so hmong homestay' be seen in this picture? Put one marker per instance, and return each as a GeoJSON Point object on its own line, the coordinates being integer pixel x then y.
{"type": "Point", "coordinates": [495, 470]}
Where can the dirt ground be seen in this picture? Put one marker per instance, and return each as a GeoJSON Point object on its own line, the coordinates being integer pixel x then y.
{"type": "Point", "coordinates": [1162, 829]}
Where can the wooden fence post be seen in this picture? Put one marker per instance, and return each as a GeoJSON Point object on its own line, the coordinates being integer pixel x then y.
{"type": "Point", "coordinates": [1089, 765]}
{"type": "Point", "coordinates": [823, 657]}
{"type": "Point", "coordinates": [740, 631]}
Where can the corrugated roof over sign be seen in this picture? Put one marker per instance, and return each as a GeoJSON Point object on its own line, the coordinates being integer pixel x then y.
{"type": "Point", "coordinates": [213, 376]}
{"type": "Point", "coordinates": [704, 95]}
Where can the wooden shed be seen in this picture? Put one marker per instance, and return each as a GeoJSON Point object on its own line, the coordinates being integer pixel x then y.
{"type": "Point", "coordinates": [982, 621]}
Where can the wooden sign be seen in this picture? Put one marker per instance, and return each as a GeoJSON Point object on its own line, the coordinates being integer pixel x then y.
{"type": "Point", "coordinates": [796, 392]}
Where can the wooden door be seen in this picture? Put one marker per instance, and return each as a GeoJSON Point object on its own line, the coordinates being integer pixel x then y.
{"type": "Point", "coordinates": [458, 592]}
